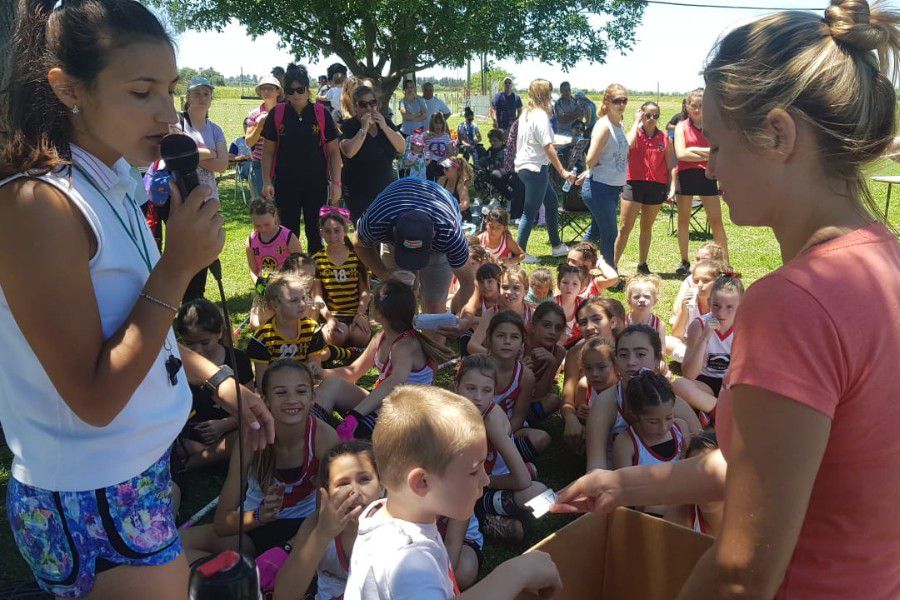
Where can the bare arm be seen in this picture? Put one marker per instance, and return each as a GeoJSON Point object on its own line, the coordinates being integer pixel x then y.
{"type": "Point", "coordinates": [358, 367]}
{"type": "Point", "coordinates": [97, 381]}
{"type": "Point", "coordinates": [335, 166]}
{"type": "Point", "coordinates": [695, 349]}
{"type": "Point", "coordinates": [297, 572]}
{"type": "Point", "coordinates": [622, 452]}
{"type": "Point", "coordinates": [268, 159]}
{"type": "Point", "coordinates": [454, 539]}
{"type": "Point", "coordinates": [498, 430]}
{"type": "Point", "coordinates": [554, 160]}
{"type": "Point", "coordinates": [571, 376]}
{"type": "Point", "coordinates": [600, 422]}
{"type": "Point", "coordinates": [466, 276]}
{"type": "Point", "coordinates": [688, 154]}
{"type": "Point", "coordinates": [350, 147]}
{"type": "Point", "coordinates": [523, 402]}
{"type": "Point", "coordinates": [402, 362]}
{"type": "Point", "coordinates": [599, 138]}
{"type": "Point", "coordinates": [372, 259]}
{"type": "Point", "coordinates": [251, 262]}
{"type": "Point", "coordinates": [775, 456]}
{"type": "Point", "coordinates": [218, 159]}
{"type": "Point", "coordinates": [254, 133]}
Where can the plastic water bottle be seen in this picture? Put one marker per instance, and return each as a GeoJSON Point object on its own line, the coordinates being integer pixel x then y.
{"type": "Point", "coordinates": [568, 184]}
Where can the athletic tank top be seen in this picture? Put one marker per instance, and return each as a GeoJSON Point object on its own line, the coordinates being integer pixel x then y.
{"type": "Point", "coordinates": [424, 376]}
{"type": "Point", "coordinates": [573, 331]}
{"type": "Point", "coordinates": [493, 463]}
{"type": "Point", "coordinates": [269, 256]}
{"type": "Point", "coordinates": [718, 351]}
{"type": "Point", "coordinates": [644, 455]}
{"type": "Point", "coordinates": [340, 283]}
{"type": "Point", "coordinates": [647, 158]}
{"type": "Point", "coordinates": [333, 570]}
{"type": "Point", "coordinates": [508, 397]}
{"type": "Point", "coordinates": [613, 164]}
{"type": "Point", "coordinates": [698, 523]}
{"type": "Point", "coordinates": [299, 493]}
{"type": "Point", "coordinates": [693, 136]}
{"type": "Point", "coordinates": [501, 251]}
{"type": "Point", "coordinates": [653, 321]}
{"type": "Point", "coordinates": [52, 447]}
{"type": "Point", "coordinates": [591, 289]}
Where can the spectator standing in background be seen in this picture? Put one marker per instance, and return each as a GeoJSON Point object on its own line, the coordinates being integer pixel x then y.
{"type": "Point", "coordinates": [433, 103]}
{"type": "Point", "coordinates": [588, 109]}
{"type": "Point", "coordinates": [468, 137]}
{"type": "Point", "coordinates": [506, 106]}
{"type": "Point", "coordinates": [678, 118]}
{"type": "Point", "coordinates": [337, 75]}
{"type": "Point", "coordinates": [413, 109]}
{"type": "Point", "coordinates": [269, 89]}
{"type": "Point", "coordinates": [566, 109]}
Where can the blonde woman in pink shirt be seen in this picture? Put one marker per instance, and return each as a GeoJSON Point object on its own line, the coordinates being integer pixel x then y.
{"type": "Point", "coordinates": [808, 418]}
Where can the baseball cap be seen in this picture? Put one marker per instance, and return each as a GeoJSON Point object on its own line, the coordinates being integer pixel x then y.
{"type": "Point", "coordinates": [199, 81]}
{"type": "Point", "coordinates": [508, 79]}
{"type": "Point", "coordinates": [413, 235]}
{"type": "Point", "coordinates": [268, 80]}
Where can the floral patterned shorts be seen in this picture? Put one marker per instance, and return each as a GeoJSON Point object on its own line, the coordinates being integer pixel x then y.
{"type": "Point", "coordinates": [69, 537]}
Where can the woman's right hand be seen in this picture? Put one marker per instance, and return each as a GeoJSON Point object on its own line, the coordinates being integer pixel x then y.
{"type": "Point", "coordinates": [194, 232]}
{"type": "Point", "coordinates": [268, 192]}
{"type": "Point", "coordinates": [568, 176]}
{"type": "Point", "coordinates": [596, 491]}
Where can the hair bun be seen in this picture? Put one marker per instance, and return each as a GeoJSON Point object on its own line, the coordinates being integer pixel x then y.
{"type": "Point", "coordinates": [851, 23]}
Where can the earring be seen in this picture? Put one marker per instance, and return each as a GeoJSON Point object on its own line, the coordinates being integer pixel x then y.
{"type": "Point", "coordinates": [75, 109]}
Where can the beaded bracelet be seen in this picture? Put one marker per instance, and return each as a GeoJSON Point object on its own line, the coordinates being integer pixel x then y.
{"type": "Point", "coordinates": [159, 302]}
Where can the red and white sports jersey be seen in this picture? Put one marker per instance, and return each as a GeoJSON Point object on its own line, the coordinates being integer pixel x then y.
{"type": "Point", "coordinates": [644, 455]}
{"type": "Point", "coordinates": [718, 350]}
{"type": "Point", "coordinates": [507, 398]}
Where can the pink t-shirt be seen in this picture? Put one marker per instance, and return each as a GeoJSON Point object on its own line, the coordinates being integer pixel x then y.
{"type": "Point", "coordinates": [256, 115]}
{"type": "Point", "coordinates": [824, 330]}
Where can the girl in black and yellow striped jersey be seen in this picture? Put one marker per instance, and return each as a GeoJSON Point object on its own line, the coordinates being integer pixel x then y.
{"type": "Point", "coordinates": [291, 333]}
{"type": "Point", "coordinates": [341, 284]}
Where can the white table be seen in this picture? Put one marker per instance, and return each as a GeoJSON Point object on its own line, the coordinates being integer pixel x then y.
{"type": "Point", "coordinates": [890, 180]}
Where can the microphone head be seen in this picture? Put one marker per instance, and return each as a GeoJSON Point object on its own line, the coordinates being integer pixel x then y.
{"type": "Point", "coordinates": [180, 153]}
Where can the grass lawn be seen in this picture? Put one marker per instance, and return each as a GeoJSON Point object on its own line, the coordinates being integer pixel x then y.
{"type": "Point", "coordinates": [754, 252]}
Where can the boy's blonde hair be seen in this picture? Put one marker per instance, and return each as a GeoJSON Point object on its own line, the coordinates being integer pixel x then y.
{"type": "Point", "coordinates": [422, 426]}
{"type": "Point", "coordinates": [653, 281]}
{"type": "Point", "coordinates": [542, 276]}
{"type": "Point", "coordinates": [282, 280]}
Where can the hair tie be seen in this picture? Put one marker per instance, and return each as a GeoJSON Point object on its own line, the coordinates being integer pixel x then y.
{"type": "Point", "coordinates": [732, 274]}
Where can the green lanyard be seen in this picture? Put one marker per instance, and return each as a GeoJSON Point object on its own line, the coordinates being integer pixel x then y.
{"type": "Point", "coordinates": [144, 253]}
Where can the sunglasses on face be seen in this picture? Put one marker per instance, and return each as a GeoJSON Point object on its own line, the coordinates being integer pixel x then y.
{"type": "Point", "coordinates": [651, 115]}
{"type": "Point", "coordinates": [367, 103]}
{"type": "Point", "coordinates": [295, 90]}
{"type": "Point", "coordinates": [619, 101]}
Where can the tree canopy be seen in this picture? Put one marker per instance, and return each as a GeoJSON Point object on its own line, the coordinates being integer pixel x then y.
{"type": "Point", "coordinates": [388, 39]}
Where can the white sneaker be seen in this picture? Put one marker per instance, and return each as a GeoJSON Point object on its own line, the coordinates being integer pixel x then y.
{"type": "Point", "coordinates": [560, 250]}
{"type": "Point", "coordinates": [531, 260]}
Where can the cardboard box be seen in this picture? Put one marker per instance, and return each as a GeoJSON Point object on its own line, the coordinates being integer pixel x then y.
{"type": "Point", "coordinates": [625, 555]}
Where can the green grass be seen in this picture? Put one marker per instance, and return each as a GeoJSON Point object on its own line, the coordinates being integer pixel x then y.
{"type": "Point", "coordinates": [754, 252]}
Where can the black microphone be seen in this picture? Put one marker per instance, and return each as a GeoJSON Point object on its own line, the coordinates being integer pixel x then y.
{"type": "Point", "coordinates": [182, 159]}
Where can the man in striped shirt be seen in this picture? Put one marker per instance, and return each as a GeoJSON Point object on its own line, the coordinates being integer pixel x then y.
{"type": "Point", "coordinates": [420, 226]}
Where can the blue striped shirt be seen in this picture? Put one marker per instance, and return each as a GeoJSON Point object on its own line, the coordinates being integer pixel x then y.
{"type": "Point", "coordinates": [376, 226]}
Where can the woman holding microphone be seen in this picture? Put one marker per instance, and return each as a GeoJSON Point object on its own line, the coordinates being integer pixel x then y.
{"type": "Point", "coordinates": [808, 419]}
{"type": "Point", "coordinates": [90, 429]}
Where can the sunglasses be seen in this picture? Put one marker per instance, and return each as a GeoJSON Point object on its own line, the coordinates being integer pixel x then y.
{"type": "Point", "coordinates": [651, 115]}
{"type": "Point", "coordinates": [295, 90]}
{"type": "Point", "coordinates": [620, 101]}
{"type": "Point", "coordinates": [367, 104]}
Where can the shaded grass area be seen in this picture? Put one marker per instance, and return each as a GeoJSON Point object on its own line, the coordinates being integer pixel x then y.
{"type": "Point", "coordinates": [754, 252]}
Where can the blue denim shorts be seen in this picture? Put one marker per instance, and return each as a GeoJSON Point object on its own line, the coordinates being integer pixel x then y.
{"type": "Point", "coordinates": [68, 537]}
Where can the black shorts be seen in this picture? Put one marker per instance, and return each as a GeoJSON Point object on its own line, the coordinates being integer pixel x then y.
{"type": "Point", "coordinates": [694, 182]}
{"type": "Point", "coordinates": [275, 533]}
{"type": "Point", "coordinates": [715, 383]}
{"type": "Point", "coordinates": [648, 192]}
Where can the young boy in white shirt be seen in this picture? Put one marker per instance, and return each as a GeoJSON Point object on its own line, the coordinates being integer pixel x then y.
{"type": "Point", "coordinates": [430, 447]}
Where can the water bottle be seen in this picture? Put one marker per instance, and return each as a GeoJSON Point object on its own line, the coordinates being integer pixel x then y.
{"type": "Point", "coordinates": [568, 184]}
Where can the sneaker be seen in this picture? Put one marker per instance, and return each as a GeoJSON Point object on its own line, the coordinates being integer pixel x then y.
{"type": "Point", "coordinates": [560, 250]}
{"type": "Point", "coordinates": [683, 269]}
{"type": "Point", "coordinates": [503, 529]}
{"type": "Point", "coordinates": [531, 260]}
{"type": "Point", "coordinates": [643, 269]}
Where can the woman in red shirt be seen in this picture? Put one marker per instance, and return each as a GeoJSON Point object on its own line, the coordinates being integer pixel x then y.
{"type": "Point", "coordinates": [651, 159]}
{"type": "Point", "coordinates": [808, 419]}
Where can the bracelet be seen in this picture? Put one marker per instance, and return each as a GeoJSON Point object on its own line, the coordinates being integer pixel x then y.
{"type": "Point", "coordinates": [159, 302]}
{"type": "Point", "coordinates": [256, 515]}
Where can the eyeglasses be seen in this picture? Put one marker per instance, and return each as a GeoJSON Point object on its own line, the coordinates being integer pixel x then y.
{"type": "Point", "coordinates": [295, 90]}
{"type": "Point", "coordinates": [367, 104]}
{"type": "Point", "coordinates": [651, 115]}
{"type": "Point", "coordinates": [619, 101]}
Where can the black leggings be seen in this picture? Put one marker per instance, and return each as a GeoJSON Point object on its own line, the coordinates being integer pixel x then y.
{"type": "Point", "coordinates": [294, 197]}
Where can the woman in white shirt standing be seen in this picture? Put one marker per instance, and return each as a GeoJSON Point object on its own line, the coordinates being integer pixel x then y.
{"type": "Point", "coordinates": [607, 159]}
{"type": "Point", "coordinates": [534, 155]}
{"type": "Point", "coordinates": [92, 397]}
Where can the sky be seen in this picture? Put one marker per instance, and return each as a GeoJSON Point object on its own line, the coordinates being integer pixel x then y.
{"type": "Point", "coordinates": [661, 56]}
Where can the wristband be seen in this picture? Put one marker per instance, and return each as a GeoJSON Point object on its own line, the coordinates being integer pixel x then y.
{"type": "Point", "coordinates": [212, 384]}
{"type": "Point", "coordinates": [256, 515]}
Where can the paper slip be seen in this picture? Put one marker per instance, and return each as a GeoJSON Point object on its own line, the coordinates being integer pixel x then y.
{"type": "Point", "coordinates": [540, 505]}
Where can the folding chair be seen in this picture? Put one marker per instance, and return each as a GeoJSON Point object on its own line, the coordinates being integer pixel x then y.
{"type": "Point", "coordinates": [573, 214]}
{"type": "Point", "coordinates": [697, 226]}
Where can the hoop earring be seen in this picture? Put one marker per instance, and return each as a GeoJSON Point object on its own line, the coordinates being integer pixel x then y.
{"type": "Point", "coordinates": [75, 109]}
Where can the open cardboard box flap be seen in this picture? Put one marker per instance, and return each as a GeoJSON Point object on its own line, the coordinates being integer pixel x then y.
{"type": "Point", "coordinates": [608, 557]}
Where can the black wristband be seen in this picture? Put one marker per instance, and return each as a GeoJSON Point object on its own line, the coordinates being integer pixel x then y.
{"type": "Point", "coordinates": [212, 384]}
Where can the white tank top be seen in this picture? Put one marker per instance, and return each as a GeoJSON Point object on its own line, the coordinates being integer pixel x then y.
{"type": "Point", "coordinates": [643, 455]}
{"type": "Point", "coordinates": [508, 397]}
{"type": "Point", "coordinates": [718, 351]}
{"type": "Point", "coordinates": [52, 447]}
{"type": "Point", "coordinates": [612, 167]}
{"type": "Point", "coordinates": [333, 570]}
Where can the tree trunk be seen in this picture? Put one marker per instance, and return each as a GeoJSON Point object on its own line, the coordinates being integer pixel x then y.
{"type": "Point", "coordinates": [7, 22]}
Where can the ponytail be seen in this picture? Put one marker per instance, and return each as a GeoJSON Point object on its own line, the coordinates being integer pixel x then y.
{"type": "Point", "coordinates": [77, 37]}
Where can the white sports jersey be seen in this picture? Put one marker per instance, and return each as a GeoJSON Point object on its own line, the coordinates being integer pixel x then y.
{"type": "Point", "coordinates": [508, 397]}
{"type": "Point", "coordinates": [644, 455]}
{"type": "Point", "coordinates": [718, 350]}
{"type": "Point", "coordinates": [333, 570]}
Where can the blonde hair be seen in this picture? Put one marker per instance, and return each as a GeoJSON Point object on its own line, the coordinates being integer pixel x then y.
{"type": "Point", "coordinates": [542, 276]}
{"type": "Point", "coordinates": [607, 96]}
{"type": "Point", "coordinates": [539, 96]}
{"type": "Point", "coordinates": [271, 296]}
{"type": "Point", "coordinates": [822, 70]}
{"type": "Point", "coordinates": [349, 95]}
{"type": "Point", "coordinates": [653, 281]}
{"type": "Point", "coordinates": [515, 273]}
{"type": "Point", "coordinates": [422, 426]}
{"type": "Point", "coordinates": [716, 252]}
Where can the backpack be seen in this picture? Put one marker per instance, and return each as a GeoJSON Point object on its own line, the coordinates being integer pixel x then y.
{"type": "Point", "coordinates": [319, 110]}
